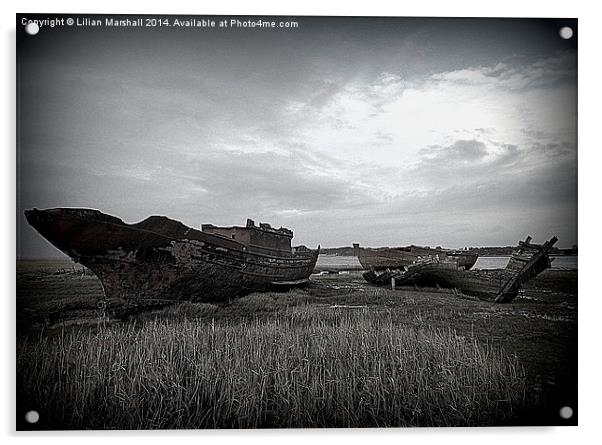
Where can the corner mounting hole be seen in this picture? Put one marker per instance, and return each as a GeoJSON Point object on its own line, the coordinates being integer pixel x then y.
{"type": "Point", "coordinates": [32, 28]}
{"type": "Point", "coordinates": [32, 417]}
{"type": "Point", "coordinates": [566, 32]}
{"type": "Point", "coordinates": [566, 412]}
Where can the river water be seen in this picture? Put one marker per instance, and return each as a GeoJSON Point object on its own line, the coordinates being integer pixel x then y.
{"type": "Point", "coordinates": [483, 262]}
{"type": "Point", "coordinates": [500, 262]}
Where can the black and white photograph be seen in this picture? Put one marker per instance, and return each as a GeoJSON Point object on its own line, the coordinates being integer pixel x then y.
{"type": "Point", "coordinates": [278, 222]}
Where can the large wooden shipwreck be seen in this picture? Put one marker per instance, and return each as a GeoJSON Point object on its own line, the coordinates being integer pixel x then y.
{"type": "Point", "coordinates": [162, 259]}
{"type": "Point", "coordinates": [402, 257]}
{"type": "Point", "coordinates": [502, 285]}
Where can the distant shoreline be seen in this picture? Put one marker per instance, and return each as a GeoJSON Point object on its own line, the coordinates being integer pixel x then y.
{"type": "Point", "coordinates": [322, 253]}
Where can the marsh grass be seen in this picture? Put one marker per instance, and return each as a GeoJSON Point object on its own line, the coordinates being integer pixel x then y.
{"type": "Point", "coordinates": [306, 367]}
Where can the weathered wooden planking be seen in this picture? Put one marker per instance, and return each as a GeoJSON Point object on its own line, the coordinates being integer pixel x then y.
{"type": "Point", "coordinates": [160, 258]}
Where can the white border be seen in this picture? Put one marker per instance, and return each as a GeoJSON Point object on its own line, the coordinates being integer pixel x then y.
{"type": "Point", "coordinates": [589, 162]}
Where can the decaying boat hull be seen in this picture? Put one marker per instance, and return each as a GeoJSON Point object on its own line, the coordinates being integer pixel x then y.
{"type": "Point", "coordinates": [395, 257]}
{"type": "Point", "coordinates": [199, 275]}
{"type": "Point", "coordinates": [482, 284]}
{"type": "Point", "coordinates": [500, 286]}
{"type": "Point", "coordinates": [464, 260]}
{"type": "Point", "coordinates": [162, 259]}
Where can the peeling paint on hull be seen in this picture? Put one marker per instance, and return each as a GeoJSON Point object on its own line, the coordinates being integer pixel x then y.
{"type": "Point", "coordinates": [162, 259]}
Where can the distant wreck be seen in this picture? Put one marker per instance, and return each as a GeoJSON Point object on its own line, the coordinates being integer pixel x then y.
{"type": "Point", "coordinates": [501, 286]}
{"type": "Point", "coordinates": [402, 257]}
{"type": "Point", "coordinates": [161, 259]}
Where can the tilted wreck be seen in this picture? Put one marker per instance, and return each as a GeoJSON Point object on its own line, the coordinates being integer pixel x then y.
{"type": "Point", "coordinates": [402, 257]}
{"type": "Point", "coordinates": [162, 259]}
{"type": "Point", "coordinates": [501, 286]}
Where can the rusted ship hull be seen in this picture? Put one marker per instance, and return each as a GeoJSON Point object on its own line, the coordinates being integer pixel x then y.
{"type": "Point", "coordinates": [162, 259]}
{"type": "Point", "coordinates": [501, 286]}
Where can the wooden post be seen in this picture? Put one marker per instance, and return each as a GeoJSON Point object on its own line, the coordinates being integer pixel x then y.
{"type": "Point", "coordinates": [393, 283]}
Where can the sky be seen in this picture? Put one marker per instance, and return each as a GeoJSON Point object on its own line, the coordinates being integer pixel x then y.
{"type": "Point", "coordinates": [382, 131]}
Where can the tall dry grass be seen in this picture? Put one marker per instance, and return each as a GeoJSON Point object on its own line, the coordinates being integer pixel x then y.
{"type": "Point", "coordinates": [308, 367]}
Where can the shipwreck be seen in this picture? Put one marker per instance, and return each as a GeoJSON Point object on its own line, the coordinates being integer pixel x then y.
{"type": "Point", "coordinates": [162, 259]}
{"type": "Point", "coordinates": [402, 257]}
{"type": "Point", "coordinates": [502, 285]}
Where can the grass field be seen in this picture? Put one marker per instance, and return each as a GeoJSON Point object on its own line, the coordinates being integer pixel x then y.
{"type": "Point", "coordinates": [337, 353]}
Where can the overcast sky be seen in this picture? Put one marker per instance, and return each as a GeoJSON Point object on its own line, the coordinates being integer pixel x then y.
{"type": "Point", "coordinates": [378, 131]}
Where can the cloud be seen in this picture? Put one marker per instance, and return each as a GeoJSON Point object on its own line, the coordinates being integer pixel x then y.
{"type": "Point", "coordinates": [540, 73]}
{"type": "Point", "coordinates": [380, 153]}
{"type": "Point", "coordinates": [461, 151]}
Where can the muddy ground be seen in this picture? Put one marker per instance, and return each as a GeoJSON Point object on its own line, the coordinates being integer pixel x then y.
{"type": "Point", "coordinates": [539, 327]}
